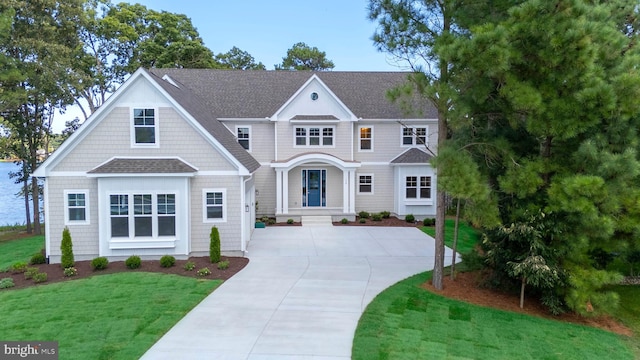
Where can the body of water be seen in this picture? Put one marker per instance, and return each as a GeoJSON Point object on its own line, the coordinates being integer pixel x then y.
{"type": "Point", "coordinates": [11, 205]}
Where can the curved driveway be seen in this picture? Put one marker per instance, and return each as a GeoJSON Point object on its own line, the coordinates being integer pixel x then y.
{"type": "Point", "coordinates": [300, 296]}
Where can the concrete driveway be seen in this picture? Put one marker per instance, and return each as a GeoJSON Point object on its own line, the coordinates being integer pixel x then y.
{"type": "Point", "coordinates": [300, 296]}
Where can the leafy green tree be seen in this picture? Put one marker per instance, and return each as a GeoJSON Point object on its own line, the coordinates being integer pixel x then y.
{"type": "Point", "coordinates": [303, 57]}
{"type": "Point", "coordinates": [214, 245]}
{"type": "Point", "coordinates": [66, 249]}
{"type": "Point", "coordinates": [239, 60]}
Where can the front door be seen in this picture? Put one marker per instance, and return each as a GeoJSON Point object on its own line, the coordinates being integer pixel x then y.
{"type": "Point", "coordinates": [314, 187]}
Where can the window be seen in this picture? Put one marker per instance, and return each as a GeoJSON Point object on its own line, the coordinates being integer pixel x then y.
{"type": "Point", "coordinates": [414, 136]}
{"type": "Point", "coordinates": [244, 137]}
{"type": "Point", "coordinates": [149, 219]}
{"type": "Point", "coordinates": [214, 205]}
{"type": "Point", "coordinates": [119, 215]}
{"type": "Point", "coordinates": [76, 205]}
{"type": "Point", "coordinates": [365, 184]}
{"type": "Point", "coordinates": [166, 214]}
{"type": "Point", "coordinates": [415, 190]}
{"type": "Point", "coordinates": [144, 126]}
{"type": "Point", "coordinates": [314, 136]}
{"type": "Point", "coordinates": [142, 215]}
{"type": "Point", "coordinates": [366, 138]}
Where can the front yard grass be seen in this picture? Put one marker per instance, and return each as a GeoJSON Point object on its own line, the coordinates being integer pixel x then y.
{"type": "Point", "coordinates": [117, 316]}
{"type": "Point", "coordinates": [467, 236]}
{"type": "Point", "coordinates": [19, 250]}
{"type": "Point", "coordinates": [408, 322]}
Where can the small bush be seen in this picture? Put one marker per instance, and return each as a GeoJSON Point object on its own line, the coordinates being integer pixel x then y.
{"type": "Point", "coordinates": [271, 221]}
{"type": "Point", "coordinates": [99, 263]}
{"type": "Point", "coordinates": [7, 283]}
{"type": "Point", "coordinates": [18, 267]}
{"type": "Point", "coordinates": [28, 274]}
{"type": "Point", "coordinates": [189, 266]}
{"type": "Point", "coordinates": [344, 221]}
{"type": "Point", "coordinates": [167, 261]}
{"type": "Point", "coordinates": [363, 215]}
{"type": "Point", "coordinates": [376, 217]}
{"type": "Point", "coordinates": [472, 260]}
{"type": "Point", "coordinates": [264, 219]}
{"type": "Point", "coordinates": [410, 218]}
{"type": "Point", "coordinates": [37, 258]}
{"type": "Point", "coordinates": [214, 245]}
{"type": "Point", "coordinates": [66, 248]}
{"type": "Point", "coordinates": [289, 221]}
{"type": "Point", "coordinates": [70, 271]}
{"type": "Point", "coordinates": [39, 277]}
{"type": "Point", "coordinates": [133, 262]}
{"type": "Point", "coordinates": [223, 265]}
{"type": "Point", "coordinates": [385, 214]}
{"type": "Point", "coordinates": [429, 222]}
{"type": "Point", "coordinates": [204, 272]}
{"type": "Point", "coordinates": [363, 220]}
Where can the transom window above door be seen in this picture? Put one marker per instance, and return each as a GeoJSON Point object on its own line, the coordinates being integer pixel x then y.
{"type": "Point", "coordinates": [314, 136]}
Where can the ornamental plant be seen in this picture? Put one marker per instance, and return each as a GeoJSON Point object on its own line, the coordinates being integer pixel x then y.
{"type": "Point", "coordinates": [66, 248]}
{"type": "Point", "coordinates": [214, 245]}
{"type": "Point", "coordinates": [99, 263]}
{"type": "Point", "coordinates": [167, 261]}
{"type": "Point", "coordinates": [133, 262]}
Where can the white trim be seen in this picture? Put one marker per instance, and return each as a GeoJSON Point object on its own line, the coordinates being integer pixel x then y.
{"type": "Point", "coordinates": [218, 173]}
{"type": "Point", "coordinates": [204, 205]}
{"type": "Point", "coordinates": [325, 158]}
{"type": "Point", "coordinates": [358, 183]}
{"type": "Point", "coordinates": [47, 222]}
{"type": "Point", "coordinates": [67, 174]}
{"type": "Point", "coordinates": [168, 79]}
{"type": "Point", "coordinates": [370, 127]}
{"type": "Point", "coordinates": [250, 139]}
{"type": "Point", "coordinates": [156, 127]}
{"type": "Point", "coordinates": [87, 206]}
{"type": "Point", "coordinates": [265, 119]}
{"type": "Point", "coordinates": [308, 136]}
{"type": "Point", "coordinates": [119, 175]}
{"type": "Point", "coordinates": [377, 163]}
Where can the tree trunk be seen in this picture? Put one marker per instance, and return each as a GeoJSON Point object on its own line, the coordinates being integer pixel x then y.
{"type": "Point", "coordinates": [524, 281]}
{"type": "Point", "coordinates": [455, 241]}
{"type": "Point", "coordinates": [25, 188]}
{"type": "Point", "coordinates": [35, 194]}
{"type": "Point", "coordinates": [438, 265]}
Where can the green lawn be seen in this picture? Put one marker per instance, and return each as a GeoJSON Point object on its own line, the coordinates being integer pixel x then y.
{"type": "Point", "coordinates": [467, 236]}
{"type": "Point", "coordinates": [408, 322]}
{"type": "Point", "coordinates": [116, 316]}
{"type": "Point", "coordinates": [629, 312]}
{"type": "Point", "coordinates": [19, 250]}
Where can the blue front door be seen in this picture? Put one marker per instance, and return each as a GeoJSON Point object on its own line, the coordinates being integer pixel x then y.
{"type": "Point", "coordinates": [313, 187]}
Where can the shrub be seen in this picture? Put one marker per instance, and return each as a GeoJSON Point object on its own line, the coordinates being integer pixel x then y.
{"type": "Point", "coordinates": [363, 215]}
{"type": "Point", "coordinates": [133, 262]}
{"type": "Point", "coordinates": [223, 265]}
{"type": "Point", "coordinates": [7, 283]}
{"type": "Point", "coordinates": [70, 271]}
{"type": "Point", "coordinates": [363, 220]}
{"type": "Point", "coordinates": [429, 222]}
{"type": "Point", "coordinates": [344, 221]}
{"type": "Point", "coordinates": [385, 214]}
{"type": "Point", "coordinates": [66, 248]}
{"type": "Point", "coordinates": [28, 274]}
{"type": "Point", "coordinates": [39, 277]}
{"type": "Point", "coordinates": [167, 261]}
{"type": "Point", "coordinates": [271, 221]}
{"type": "Point", "coordinates": [214, 245]}
{"type": "Point", "coordinates": [99, 263]}
{"type": "Point", "coordinates": [289, 221]}
{"type": "Point", "coordinates": [410, 218]}
{"type": "Point", "coordinates": [18, 267]}
{"type": "Point", "coordinates": [376, 217]}
{"type": "Point", "coordinates": [189, 266]}
{"type": "Point", "coordinates": [472, 260]}
{"type": "Point", "coordinates": [264, 219]}
{"type": "Point", "coordinates": [204, 272]}
{"type": "Point", "coordinates": [37, 258]}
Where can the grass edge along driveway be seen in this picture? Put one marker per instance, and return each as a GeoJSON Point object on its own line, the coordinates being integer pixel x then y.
{"type": "Point", "coordinates": [408, 322]}
{"type": "Point", "coordinates": [115, 316]}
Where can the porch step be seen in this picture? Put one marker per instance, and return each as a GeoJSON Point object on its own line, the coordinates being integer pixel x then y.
{"type": "Point", "coordinates": [316, 221]}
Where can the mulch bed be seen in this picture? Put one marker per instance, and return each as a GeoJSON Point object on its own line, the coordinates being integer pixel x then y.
{"type": "Point", "coordinates": [390, 221]}
{"type": "Point", "coordinates": [55, 274]}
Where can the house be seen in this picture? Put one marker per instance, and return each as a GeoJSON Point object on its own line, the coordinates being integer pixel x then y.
{"type": "Point", "coordinates": [174, 152]}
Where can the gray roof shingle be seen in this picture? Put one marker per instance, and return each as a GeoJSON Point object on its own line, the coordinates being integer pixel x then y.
{"type": "Point", "coordinates": [143, 166]}
{"type": "Point", "coordinates": [412, 156]}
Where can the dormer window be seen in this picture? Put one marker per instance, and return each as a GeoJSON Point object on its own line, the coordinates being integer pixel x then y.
{"type": "Point", "coordinates": [145, 127]}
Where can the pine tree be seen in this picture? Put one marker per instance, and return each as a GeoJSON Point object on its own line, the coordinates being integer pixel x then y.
{"type": "Point", "coordinates": [214, 245]}
{"type": "Point", "coordinates": [66, 248]}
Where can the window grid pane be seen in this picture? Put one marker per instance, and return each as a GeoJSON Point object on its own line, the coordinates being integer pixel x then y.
{"type": "Point", "coordinates": [142, 204]}
{"type": "Point", "coordinates": [215, 203]}
{"type": "Point", "coordinates": [411, 187]}
{"type": "Point", "coordinates": [407, 136]}
{"type": "Point", "coordinates": [144, 126]}
{"type": "Point", "coordinates": [243, 137]}
{"type": "Point", "coordinates": [301, 136]}
{"type": "Point", "coordinates": [365, 183]}
{"type": "Point", "coordinates": [365, 138]}
{"type": "Point", "coordinates": [421, 136]}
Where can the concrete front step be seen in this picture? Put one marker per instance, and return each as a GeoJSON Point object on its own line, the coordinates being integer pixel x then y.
{"type": "Point", "coordinates": [316, 221]}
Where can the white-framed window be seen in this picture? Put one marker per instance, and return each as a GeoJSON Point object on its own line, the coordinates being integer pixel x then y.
{"type": "Point", "coordinates": [144, 127]}
{"type": "Point", "coordinates": [243, 133]}
{"type": "Point", "coordinates": [365, 183]}
{"type": "Point", "coordinates": [418, 187]}
{"type": "Point", "coordinates": [412, 136]}
{"type": "Point", "coordinates": [314, 136]}
{"type": "Point", "coordinates": [142, 215]}
{"type": "Point", "coordinates": [214, 207]}
{"type": "Point", "coordinates": [76, 205]}
{"type": "Point", "coordinates": [365, 138]}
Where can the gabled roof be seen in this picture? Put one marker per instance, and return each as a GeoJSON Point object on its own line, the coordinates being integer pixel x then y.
{"type": "Point", "coordinates": [260, 93]}
{"type": "Point", "coordinates": [412, 156]}
{"type": "Point", "coordinates": [144, 166]}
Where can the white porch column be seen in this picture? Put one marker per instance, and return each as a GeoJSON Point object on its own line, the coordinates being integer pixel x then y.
{"type": "Point", "coordinates": [278, 191]}
{"type": "Point", "coordinates": [352, 191]}
{"type": "Point", "coordinates": [345, 191]}
{"type": "Point", "coordinates": [285, 191]}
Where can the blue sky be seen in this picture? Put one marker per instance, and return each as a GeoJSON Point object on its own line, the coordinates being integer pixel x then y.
{"type": "Point", "coordinates": [267, 29]}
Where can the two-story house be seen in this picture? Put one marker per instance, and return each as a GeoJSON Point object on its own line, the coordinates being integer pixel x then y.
{"type": "Point", "coordinates": [174, 152]}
